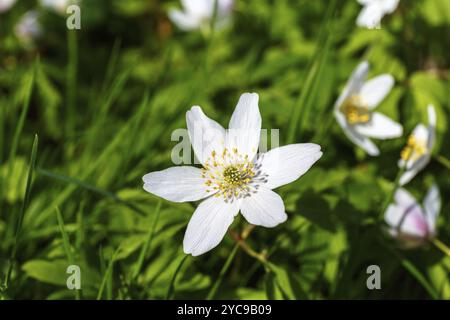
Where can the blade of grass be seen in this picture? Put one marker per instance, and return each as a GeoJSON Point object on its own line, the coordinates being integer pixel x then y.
{"type": "Point", "coordinates": [223, 271]}
{"type": "Point", "coordinates": [66, 244]}
{"type": "Point", "coordinates": [315, 65]}
{"type": "Point", "coordinates": [171, 290]}
{"type": "Point", "coordinates": [146, 247]}
{"type": "Point", "coordinates": [25, 203]}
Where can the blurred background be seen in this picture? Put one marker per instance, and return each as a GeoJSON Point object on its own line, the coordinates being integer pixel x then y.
{"type": "Point", "coordinates": [105, 99]}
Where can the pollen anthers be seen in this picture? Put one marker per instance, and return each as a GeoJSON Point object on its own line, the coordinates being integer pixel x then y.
{"type": "Point", "coordinates": [355, 110]}
{"type": "Point", "coordinates": [231, 175]}
{"type": "Point", "coordinates": [414, 149]}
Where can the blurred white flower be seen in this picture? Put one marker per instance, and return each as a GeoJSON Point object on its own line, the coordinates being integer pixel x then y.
{"type": "Point", "coordinates": [411, 223]}
{"type": "Point", "coordinates": [59, 6]}
{"type": "Point", "coordinates": [234, 177]}
{"type": "Point", "coordinates": [354, 110]}
{"type": "Point", "coordinates": [198, 14]}
{"type": "Point", "coordinates": [5, 5]}
{"type": "Point", "coordinates": [417, 152]}
{"type": "Point", "coordinates": [28, 28]}
{"type": "Point", "coordinates": [373, 11]}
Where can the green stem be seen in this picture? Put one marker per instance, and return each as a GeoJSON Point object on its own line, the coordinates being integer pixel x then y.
{"type": "Point", "coordinates": [147, 243]}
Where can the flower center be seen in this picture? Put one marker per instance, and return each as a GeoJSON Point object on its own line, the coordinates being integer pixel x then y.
{"type": "Point", "coordinates": [414, 149]}
{"type": "Point", "coordinates": [232, 175]}
{"type": "Point", "coordinates": [355, 110]}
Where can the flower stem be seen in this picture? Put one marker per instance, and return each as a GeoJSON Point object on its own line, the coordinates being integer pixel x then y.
{"type": "Point", "coordinates": [441, 246]}
{"type": "Point", "coordinates": [443, 160]}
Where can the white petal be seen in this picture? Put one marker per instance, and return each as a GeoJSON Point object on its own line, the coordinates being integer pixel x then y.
{"type": "Point", "coordinates": [431, 115]}
{"type": "Point", "coordinates": [178, 184]}
{"type": "Point", "coordinates": [208, 225]}
{"type": "Point", "coordinates": [374, 90]}
{"type": "Point", "coordinates": [370, 16]}
{"type": "Point", "coordinates": [380, 127]}
{"type": "Point", "coordinates": [184, 21]}
{"type": "Point", "coordinates": [264, 208]}
{"type": "Point", "coordinates": [404, 199]}
{"type": "Point", "coordinates": [363, 142]}
{"type": "Point", "coordinates": [432, 206]}
{"type": "Point", "coordinates": [288, 163]}
{"type": "Point", "coordinates": [205, 134]}
{"type": "Point", "coordinates": [354, 84]}
{"type": "Point", "coordinates": [245, 126]}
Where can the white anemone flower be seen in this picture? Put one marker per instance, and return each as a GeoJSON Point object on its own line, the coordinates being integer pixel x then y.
{"type": "Point", "coordinates": [411, 223]}
{"type": "Point", "coordinates": [198, 14]}
{"type": "Point", "coordinates": [417, 152]}
{"type": "Point", "coordinates": [59, 6]}
{"type": "Point", "coordinates": [354, 110]}
{"type": "Point", "coordinates": [233, 178]}
{"type": "Point", "coordinates": [28, 28]}
{"type": "Point", "coordinates": [5, 5]}
{"type": "Point", "coordinates": [373, 11]}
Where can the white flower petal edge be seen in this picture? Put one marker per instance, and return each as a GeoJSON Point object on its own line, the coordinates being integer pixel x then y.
{"type": "Point", "coordinates": [177, 184]}
{"type": "Point", "coordinates": [410, 222]}
{"type": "Point", "coordinates": [380, 127]}
{"type": "Point", "coordinates": [245, 126]}
{"type": "Point", "coordinates": [208, 225]}
{"type": "Point", "coordinates": [353, 110]}
{"type": "Point", "coordinates": [417, 153]}
{"type": "Point", "coordinates": [286, 164]}
{"type": "Point", "coordinates": [432, 207]}
{"type": "Point", "coordinates": [265, 208]}
{"type": "Point", "coordinates": [374, 10]}
{"type": "Point", "coordinates": [376, 89]}
{"type": "Point", "coordinates": [183, 20]}
{"type": "Point", "coordinates": [5, 5]}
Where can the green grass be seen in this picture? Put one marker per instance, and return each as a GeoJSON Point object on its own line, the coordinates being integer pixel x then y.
{"type": "Point", "coordinates": [105, 100]}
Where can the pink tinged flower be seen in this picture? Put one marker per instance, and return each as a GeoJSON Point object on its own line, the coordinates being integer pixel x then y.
{"type": "Point", "coordinates": [354, 110]}
{"type": "Point", "coordinates": [5, 5]}
{"type": "Point", "coordinates": [410, 222]}
{"type": "Point", "coordinates": [417, 153]}
{"type": "Point", "coordinates": [233, 177]}
{"type": "Point", "coordinates": [28, 28]}
{"type": "Point", "coordinates": [373, 11]}
{"type": "Point", "coordinates": [198, 14]}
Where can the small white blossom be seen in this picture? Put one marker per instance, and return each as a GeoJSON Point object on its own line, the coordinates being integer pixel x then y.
{"type": "Point", "coordinates": [233, 178]}
{"type": "Point", "coordinates": [417, 152]}
{"type": "Point", "coordinates": [354, 110]}
{"type": "Point", "coordinates": [408, 221]}
{"type": "Point", "coordinates": [373, 11]}
{"type": "Point", "coordinates": [59, 6]}
{"type": "Point", "coordinates": [198, 14]}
